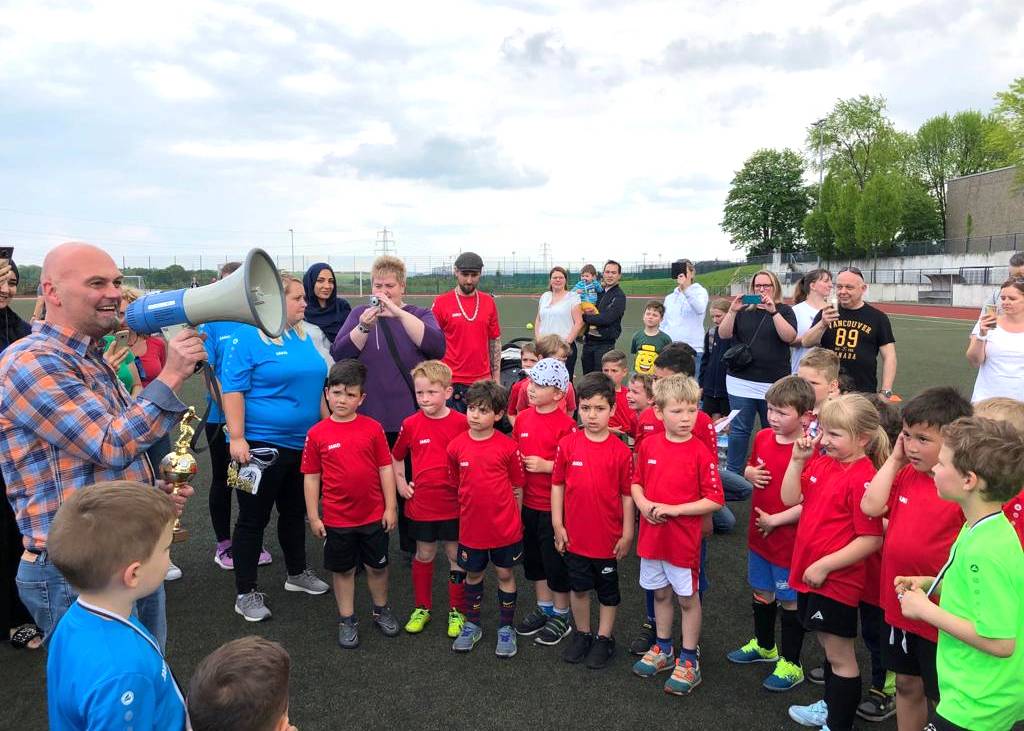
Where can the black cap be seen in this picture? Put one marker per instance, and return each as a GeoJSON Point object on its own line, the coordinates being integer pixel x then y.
{"type": "Point", "coordinates": [469, 262]}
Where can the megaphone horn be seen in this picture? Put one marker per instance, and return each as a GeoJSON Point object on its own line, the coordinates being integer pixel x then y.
{"type": "Point", "coordinates": [253, 294]}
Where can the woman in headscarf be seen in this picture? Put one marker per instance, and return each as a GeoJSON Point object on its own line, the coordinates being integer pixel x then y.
{"type": "Point", "coordinates": [14, 618]}
{"type": "Point", "coordinates": [324, 307]}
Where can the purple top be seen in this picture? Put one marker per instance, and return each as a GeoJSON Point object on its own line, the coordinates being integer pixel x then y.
{"type": "Point", "coordinates": [388, 399]}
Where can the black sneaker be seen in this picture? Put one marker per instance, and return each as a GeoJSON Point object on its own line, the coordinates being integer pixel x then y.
{"type": "Point", "coordinates": [643, 640]}
{"type": "Point", "coordinates": [553, 630]}
{"type": "Point", "coordinates": [877, 706]}
{"type": "Point", "coordinates": [532, 623]}
{"type": "Point", "coordinates": [578, 648]}
{"type": "Point", "coordinates": [600, 652]}
{"type": "Point", "coordinates": [816, 675]}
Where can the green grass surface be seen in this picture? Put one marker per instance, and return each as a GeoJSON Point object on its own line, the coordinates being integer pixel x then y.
{"type": "Point", "coordinates": [416, 682]}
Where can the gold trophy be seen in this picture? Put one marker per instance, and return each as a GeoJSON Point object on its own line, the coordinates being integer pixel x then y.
{"type": "Point", "coordinates": [178, 467]}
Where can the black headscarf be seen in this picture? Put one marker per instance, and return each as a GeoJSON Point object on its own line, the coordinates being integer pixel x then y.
{"type": "Point", "coordinates": [330, 317]}
{"type": "Point", "coordinates": [12, 327]}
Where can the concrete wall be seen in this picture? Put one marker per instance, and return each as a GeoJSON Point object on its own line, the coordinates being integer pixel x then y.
{"type": "Point", "coordinates": [993, 199]}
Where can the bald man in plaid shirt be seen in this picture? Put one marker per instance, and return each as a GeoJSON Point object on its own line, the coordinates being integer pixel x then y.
{"type": "Point", "coordinates": [67, 422]}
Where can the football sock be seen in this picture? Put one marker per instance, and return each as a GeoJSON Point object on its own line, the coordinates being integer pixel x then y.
{"type": "Point", "coordinates": [547, 607]}
{"type": "Point", "coordinates": [560, 612]}
{"type": "Point", "coordinates": [507, 607]}
{"type": "Point", "coordinates": [842, 696]}
{"type": "Point", "coordinates": [422, 579]}
{"type": "Point", "coordinates": [474, 598]}
{"type": "Point", "coordinates": [686, 654]}
{"type": "Point", "coordinates": [764, 623]}
{"type": "Point", "coordinates": [649, 597]}
{"type": "Point", "coordinates": [792, 636]}
{"type": "Point", "coordinates": [665, 643]}
{"type": "Point", "coordinates": [457, 590]}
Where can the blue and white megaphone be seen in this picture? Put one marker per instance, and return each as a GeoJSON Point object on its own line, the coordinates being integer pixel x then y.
{"type": "Point", "coordinates": [252, 294]}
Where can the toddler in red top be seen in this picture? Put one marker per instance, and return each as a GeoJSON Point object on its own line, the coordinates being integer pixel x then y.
{"type": "Point", "coordinates": [675, 483]}
{"type": "Point", "coordinates": [922, 527]}
{"type": "Point", "coordinates": [431, 499]}
{"type": "Point", "coordinates": [489, 475]}
{"type": "Point", "coordinates": [547, 346]}
{"type": "Point", "coordinates": [833, 539]}
{"type": "Point", "coordinates": [347, 466]}
{"type": "Point", "coordinates": [527, 359]}
{"type": "Point", "coordinates": [592, 516]}
{"type": "Point", "coordinates": [613, 365]}
{"type": "Point", "coordinates": [537, 431]}
{"type": "Point", "coordinates": [771, 533]}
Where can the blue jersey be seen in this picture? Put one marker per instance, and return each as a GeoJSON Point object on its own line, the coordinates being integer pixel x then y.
{"type": "Point", "coordinates": [588, 291]}
{"type": "Point", "coordinates": [218, 338]}
{"type": "Point", "coordinates": [282, 385]}
{"type": "Point", "coordinates": [106, 672]}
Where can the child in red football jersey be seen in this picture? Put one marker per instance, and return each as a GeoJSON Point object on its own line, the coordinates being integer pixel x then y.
{"type": "Point", "coordinates": [527, 359]}
{"type": "Point", "coordinates": [820, 368]}
{"type": "Point", "coordinates": [674, 485]}
{"type": "Point", "coordinates": [1011, 411]}
{"type": "Point", "coordinates": [538, 431]}
{"type": "Point", "coordinates": [431, 499]}
{"type": "Point", "coordinates": [592, 514]}
{"type": "Point", "coordinates": [613, 365]}
{"type": "Point", "coordinates": [771, 534]}
{"type": "Point", "coordinates": [548, 346]}
{"type": "Point", "coordinates": [833, 539]}
{"type": "Point", "coordinates": [490, 479]}
{"type": "Point", "coordinates": [347, 467]}
{"type": "Point", "coordinates": [922, 527]}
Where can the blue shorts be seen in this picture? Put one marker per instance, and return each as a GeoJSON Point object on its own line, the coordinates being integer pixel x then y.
{"type": "Point", "coordinates": [476, 559]}
{"type": "Point", "coordinates": [762, 574]}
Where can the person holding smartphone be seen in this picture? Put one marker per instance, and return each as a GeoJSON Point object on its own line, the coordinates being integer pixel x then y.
{"type": "Point", "coordinates": [997, 345]}
{"type": "Point", "coordinates": [685, 308]}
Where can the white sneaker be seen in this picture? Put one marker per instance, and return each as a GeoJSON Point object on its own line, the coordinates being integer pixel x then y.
{"type": "Point", "coordinates": [173, 573]}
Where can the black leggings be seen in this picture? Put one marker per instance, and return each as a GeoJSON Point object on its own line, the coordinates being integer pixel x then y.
{"type": "Point", "coordinates": [220, 493]}
{"type": "Point", "coordinates": [281, 486]}
{"type": "Point", "coordinates": [12, 612]}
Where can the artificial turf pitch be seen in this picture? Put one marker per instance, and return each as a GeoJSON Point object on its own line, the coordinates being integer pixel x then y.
{"type": "Point", "coordinates": [417, 682]}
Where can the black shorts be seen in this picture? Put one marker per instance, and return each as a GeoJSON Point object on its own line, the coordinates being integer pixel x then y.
{"type": "Point", "coordinates": [819, 613]}
{"type": "Point", "coordinates": [475, 559]}
{"type": "Point", "coordinates": [430, 531]}
{"type": "Point", "coordinates": [715, 405]}
{"type": "Point", "coordinates": [540, 559]}
{"type": "Point", "coordinates": [917, 659]}
{"type": "Point", "coordinates": [367, 544]}
{"type": "Point", "coordinates": [938, 723]}
{"type": "Point", "coordinates": [598, 574]}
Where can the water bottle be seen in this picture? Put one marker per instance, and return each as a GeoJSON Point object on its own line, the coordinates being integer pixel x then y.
{"type": "Point", "coordinates": [723, 447]}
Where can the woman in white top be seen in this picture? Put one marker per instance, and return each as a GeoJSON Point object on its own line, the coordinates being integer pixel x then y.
{"type": "Point", "coordinates": [997, 346]}
{"type": "Point", "coordinates": [559, 313]}
{"type": "Point", "coordinates": [809, 297]}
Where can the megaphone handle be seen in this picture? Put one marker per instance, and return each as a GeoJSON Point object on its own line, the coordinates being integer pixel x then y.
{"type": "Point", "coordinates": [213, 387]}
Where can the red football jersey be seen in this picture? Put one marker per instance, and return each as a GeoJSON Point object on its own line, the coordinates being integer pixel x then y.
{"type": "Point", "coordinates": [1014, 511]}
{"type": "Point", "coordinates": [348, 455]}
{"type": "Point", "coordinates": [435, 496]}
{"type": "Point", "coordinates": [674, 473]}
{"type": "Point", "coordinates": [596, 475]}
{"type": "Point", "coordinates": [538, 435]}
{"type": "Point", "coordinates": [468, 323]}
{"type": "Point", "coordinates": [831, 519]}
{"type": "Point", "coordinates": [647, 424]}
{"type": "Point", "coordinates": [778, 546]}
{"type": "Point", "coordinates": [567, 404]}
{"type": "Point", "coordinates": [513, 396]}
{"type": "Point", "coordinates": [624, 418]}
{"type": "Point", "coordinates": [486, 471]}
{"type": "Point", "coordinates": [922, 529]}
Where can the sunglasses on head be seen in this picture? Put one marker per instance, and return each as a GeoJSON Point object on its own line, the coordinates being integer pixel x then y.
{"type": "Point", "coordinates": [852, 270]}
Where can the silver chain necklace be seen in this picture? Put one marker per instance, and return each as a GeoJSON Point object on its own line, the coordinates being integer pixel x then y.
{"type": "Point", "coordinates": [476, 311]}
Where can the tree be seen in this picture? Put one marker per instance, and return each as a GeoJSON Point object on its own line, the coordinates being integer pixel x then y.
{"type": "Point", "coordinates": [1009, 137]}
{"type": "Point", "coordinates": [818, 234]}
{"type": "Point", "coordinates": [839, 199]}
{"type": "Point", "coordinates": [879, 214]}
{"type": "Point", "coordinates": [767, 202]}
{"type": "Point", "coordinates": [857, 138]}
{"type": "Point", "coordinates": [920, 220]}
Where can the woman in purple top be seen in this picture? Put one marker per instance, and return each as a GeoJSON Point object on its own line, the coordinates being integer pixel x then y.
{"type": "Point", "coordinates": [415, 337]}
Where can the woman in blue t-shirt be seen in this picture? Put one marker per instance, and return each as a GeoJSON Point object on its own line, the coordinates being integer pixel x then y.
{"type": "Point", "coordinates": [273, 389]}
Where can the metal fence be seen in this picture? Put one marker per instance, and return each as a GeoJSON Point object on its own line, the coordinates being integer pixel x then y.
{"type": "Point", "coordinates": [969, 245]}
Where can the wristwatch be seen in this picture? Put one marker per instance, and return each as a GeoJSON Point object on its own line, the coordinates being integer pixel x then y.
{"type": "Point", "coordinates": [362, 328]}
{"type": "Point", "coordinates": [887, 392]}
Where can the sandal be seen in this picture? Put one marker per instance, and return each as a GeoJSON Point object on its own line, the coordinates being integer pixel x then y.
{"type": "Point", "coordinates": [24, 634]}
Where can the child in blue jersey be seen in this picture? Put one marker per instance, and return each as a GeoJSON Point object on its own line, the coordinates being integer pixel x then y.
{"type": "Point", "coordinates": [112, 542]}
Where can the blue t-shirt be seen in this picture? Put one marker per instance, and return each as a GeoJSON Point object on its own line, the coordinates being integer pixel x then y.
{"type": "Point", "coordinates": [218, 338]}
{"type": "Point", "coordinates": [106, 672]}
{"type": "Point", "coordinates": [282, 384]}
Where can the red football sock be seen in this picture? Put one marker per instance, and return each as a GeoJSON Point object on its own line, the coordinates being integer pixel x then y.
{"type": "Point", "coordinates": [422, 578]}
{"type": "Point", "coordinates": [457, 590]}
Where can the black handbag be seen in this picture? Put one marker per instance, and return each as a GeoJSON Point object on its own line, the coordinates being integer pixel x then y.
{"type": "Point", "coordinates": [739, 357]}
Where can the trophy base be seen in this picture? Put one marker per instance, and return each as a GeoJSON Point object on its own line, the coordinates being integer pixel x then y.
{"type": "Point", "coordinates": [179, 535]}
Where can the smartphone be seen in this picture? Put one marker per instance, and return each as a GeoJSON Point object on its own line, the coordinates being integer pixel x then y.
{"type": "Point", "coordinates": [991, 310]}
{"type": "Point", "coordinates": [751, 299]}
{"type": "Point", "coordinates": [121, 338]}
{"type": "Point", "coordinates": [6, 254]}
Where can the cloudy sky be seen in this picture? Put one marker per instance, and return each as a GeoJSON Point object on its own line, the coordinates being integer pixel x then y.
{"type": "Point", "coordinates": [602, 127]}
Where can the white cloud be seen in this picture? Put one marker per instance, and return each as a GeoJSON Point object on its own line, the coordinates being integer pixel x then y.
{"type": "Point", "coordinates": [175, 83]}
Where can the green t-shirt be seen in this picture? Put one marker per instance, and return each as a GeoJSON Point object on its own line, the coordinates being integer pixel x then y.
{"type": "Point", "coordinates": [984, 583]}
{"type": "Point", "coordinates": [646, 348]}
{"type": "Point", "coordinates": [124, 373]}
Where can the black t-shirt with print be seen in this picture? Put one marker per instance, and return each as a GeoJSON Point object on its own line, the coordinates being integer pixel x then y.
{"type": "Point", "coordinates": [856, 337]}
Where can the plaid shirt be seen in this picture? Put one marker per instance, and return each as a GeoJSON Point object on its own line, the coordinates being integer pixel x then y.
{"type": "Point", "coordinates": [66, 422]}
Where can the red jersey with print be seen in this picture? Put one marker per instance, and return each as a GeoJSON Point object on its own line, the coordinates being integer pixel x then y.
{"type": "Point", "coordinates": [831, 519]}
{"type": "Point", "coordinates": [648, 424]}
{"type": "Point", "coordinates": [513, 396]}
{"type": "Point", "coordinates": [767, 453]}
{"type": "Point", "coordinates": [922, 529]}
{"type": "Point", "coordinates": [674, 473]}
{"type": "Point", "coordinates": [538, 435]}
{"type": "Point", "coordinates": [1014, 512]}
{"type": "Point", "coordinates": [468, 324]}
{"type": "Point", "coordinates": [596, 475]}
{"type": "Point", "coordinates": [485, 472]}
{"type": "Point", "coordinates": [624, 418]}
{"type": "Point", "coordinates": [348, 456]}
{"type": "Point", "coordinates": [435, 496]}
{"type": "Point", "coordinates": [522, 403]}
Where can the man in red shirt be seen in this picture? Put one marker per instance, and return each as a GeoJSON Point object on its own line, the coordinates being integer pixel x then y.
{"type": "Point", "coordinates": [469, 320]}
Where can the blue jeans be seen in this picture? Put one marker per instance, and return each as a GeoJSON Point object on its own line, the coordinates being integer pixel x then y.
{"type": "Point", "coordinates": [741, 428]}
{"type": "Point", "coordinates": [736, 488]}
{"type": "Point", "coordinates": [696, 364]}
{"type": "Point", "coordinates": [47, 595]}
